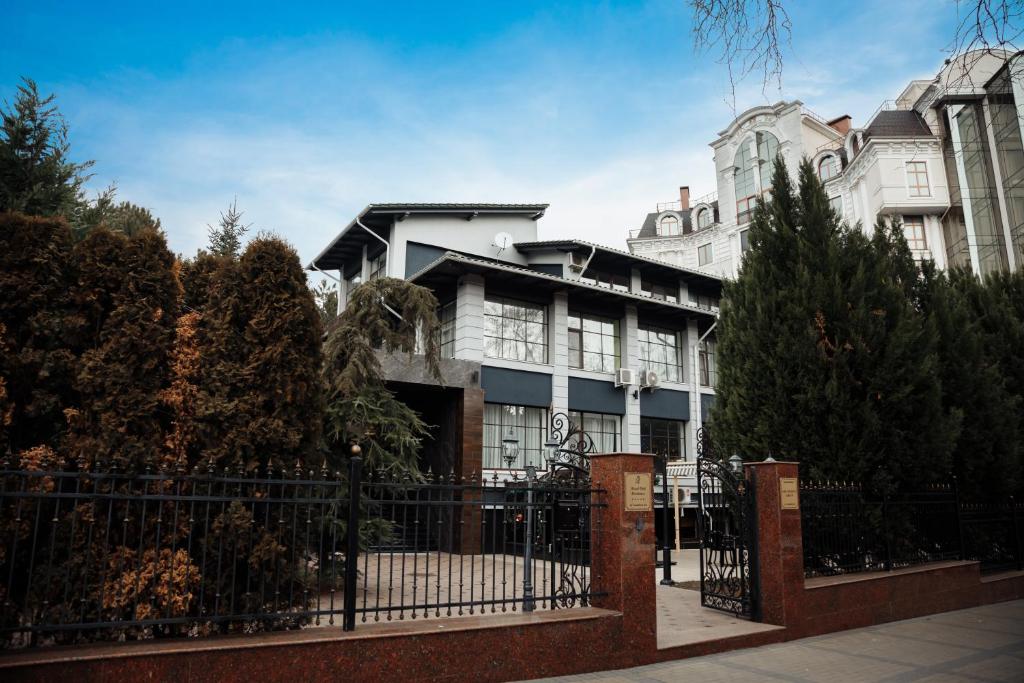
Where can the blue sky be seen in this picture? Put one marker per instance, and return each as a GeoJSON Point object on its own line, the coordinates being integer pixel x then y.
{"type": "Point", "coordinates": [307, 113]}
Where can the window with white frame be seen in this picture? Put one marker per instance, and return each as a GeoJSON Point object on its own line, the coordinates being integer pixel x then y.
{"type": "Point", "coordinates": [602, 428]}
{"type": "Point", "coordinates": [446, 330]}
{"type": "Point", "coordinates": [767, 150]}
{"type": "Point", "coordinates": [706, 356]}
{"type": "Point", "coordinates": [913, 230]}
{"type": "Point", "coordinates": [663, 437]}
{"type": "Point", "coordinates": [744, 241]}
{"type": "Point", "coordinates": [661, 351]}
{"type": "Point", "coordinates": [527, 424]}
{"type": "Point", "coordinates": [704, 254]}
{"type": "Point", "coordinates": [703, 218]}
{"type": "Point", "coordinates": [828, 168]}
{"type": "Point", "coordinates": [836, 204]}
{"type": "Point", "coordinates": [917, 179]}
{"type": "Point", "coordinates": [754, 161]}
{"type": "Point", "coordinates": [378, 266]}
{"type": "Point", "coordinates": [593, 342]}
{"type": "Point", "coordinates": [515, 330]}
{"type": "Point", "coordinates": [669, 226]}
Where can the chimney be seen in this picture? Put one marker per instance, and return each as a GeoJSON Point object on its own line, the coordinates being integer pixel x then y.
{"type": "Point", "coordinates": [684, 197]}
{"type": "Point", "coordinates": [842, 124]}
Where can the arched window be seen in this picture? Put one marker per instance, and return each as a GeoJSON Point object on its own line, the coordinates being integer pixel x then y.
{"type": "Point", "coordinates": [703, 218]}
{"type": "Point", "coordinates": [669, 226]}
{"type": "Point", "coordinates": [753, 166]}
{"type": "Point", "coordinates": [827, 168]}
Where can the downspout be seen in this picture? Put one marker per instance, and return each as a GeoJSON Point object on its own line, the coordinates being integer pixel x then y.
{"type": "Point", "coordinates": [583, 268]}
{"type": "Point", "coordinates": [387, 260]}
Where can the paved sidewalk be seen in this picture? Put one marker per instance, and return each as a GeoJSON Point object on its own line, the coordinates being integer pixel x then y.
{"type": "Point", "coordinates": [979, 644]}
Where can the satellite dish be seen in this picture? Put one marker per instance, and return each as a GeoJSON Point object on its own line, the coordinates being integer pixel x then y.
{"type": "Point", "coordinates": [502, 241]}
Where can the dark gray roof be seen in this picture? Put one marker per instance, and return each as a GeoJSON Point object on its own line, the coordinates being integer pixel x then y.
{"type": "Point", "coordinates": [900, 123]}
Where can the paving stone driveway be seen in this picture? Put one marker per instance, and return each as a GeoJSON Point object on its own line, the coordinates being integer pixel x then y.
{"type": "Point", "coordinates": [979, 644]}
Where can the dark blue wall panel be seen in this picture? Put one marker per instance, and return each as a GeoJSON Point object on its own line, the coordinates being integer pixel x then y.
{"type": "Point", "coordinates": [515, 387]}
{"type": "Point", "coordinates": [596, 396]}
{"type": "Point", "coordinates": [419, 255]}
{"type": "Point", "coordinates": [666, 404]}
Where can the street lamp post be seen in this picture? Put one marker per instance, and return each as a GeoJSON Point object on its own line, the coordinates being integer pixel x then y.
{"type": "Point", "coordinates": [529, 604]}
{"type": "Point", "coordinates": [666, 551]}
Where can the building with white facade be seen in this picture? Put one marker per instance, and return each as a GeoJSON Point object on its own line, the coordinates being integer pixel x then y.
{"type": "Point", "coordinates": [945, 157]}
{"type": "Point", "coordinates": [620, 344]}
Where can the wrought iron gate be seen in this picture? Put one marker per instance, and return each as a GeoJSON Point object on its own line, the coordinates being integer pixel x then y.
{"type": "Point", "coordinates": [727, 529]}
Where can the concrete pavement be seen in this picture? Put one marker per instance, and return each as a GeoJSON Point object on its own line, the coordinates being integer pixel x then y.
{"type": "Point", "coordinates": [979, 644]}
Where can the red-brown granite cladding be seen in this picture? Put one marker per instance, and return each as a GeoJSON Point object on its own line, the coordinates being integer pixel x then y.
{"type": "Point", "coordinates": [470, 463]}
{"type": "Point", "coordinates": [623, 564]}
{"type": "Point", "coordinates": [780, 544]}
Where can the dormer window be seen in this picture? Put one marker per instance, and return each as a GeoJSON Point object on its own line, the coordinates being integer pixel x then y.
{"type": "Point", "coordinates": [703, 218]}
{"type": "Point", "coordinates": [669, 226]}
{"type": "Point", "coordinates": [827, 168]}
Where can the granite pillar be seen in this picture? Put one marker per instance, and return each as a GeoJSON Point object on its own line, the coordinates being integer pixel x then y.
{"type": "Point", "coordinates": [779, 544]}
{"type": "Point", "coordinates": [622, 554]}
{"type": "Point", "coordinates": [470, 465]}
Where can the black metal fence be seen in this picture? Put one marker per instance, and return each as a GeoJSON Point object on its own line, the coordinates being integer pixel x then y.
{"type": "Point", "coordinates": [471, 547]}
{"type": "Point", "coordinates": [847, 530]}
{"type": "Point", "coordinates": [90, 555]}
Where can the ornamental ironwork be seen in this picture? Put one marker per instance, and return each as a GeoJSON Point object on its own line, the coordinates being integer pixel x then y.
{"type": "Point", "coordinates": [568, 449]}
{"type": "Point", "coordinates": [727, 529]}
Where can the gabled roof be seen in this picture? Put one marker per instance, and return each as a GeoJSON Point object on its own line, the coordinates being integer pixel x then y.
{"type": "Point", "coordinates": [378, 217]}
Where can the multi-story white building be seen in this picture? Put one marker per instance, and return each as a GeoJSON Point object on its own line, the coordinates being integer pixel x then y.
{"type": "Point", "coordinates": [945, 157]}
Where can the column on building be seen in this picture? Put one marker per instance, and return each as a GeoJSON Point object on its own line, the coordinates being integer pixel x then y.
{"type": "Point", "coordinates": [558, 331]}
{"type": "Point", "coordinates": [693, 375]}
{"type": "Point", "coordinates": [630, 359]}
{"type": "Point", "coordinates": [469, 318]}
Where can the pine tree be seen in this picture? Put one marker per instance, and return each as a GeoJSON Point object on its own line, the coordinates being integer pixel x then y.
{"type": "Point", "coordinates": [359, 406]}
{"type": "Point", "coordinates": [129, 294]}
{"type": "Point", "coordinates": [105, 210]}
{"type": "Point", "coordinates": [326, 297]}
{"type": "Point", "coordinates": [37, 176]}
{"type": "Point", "coordinates": [822, 356]}
{"type": "Point", "coordinates": [226, 238]}
{"type": "Point", "coordinates": [37, 322]}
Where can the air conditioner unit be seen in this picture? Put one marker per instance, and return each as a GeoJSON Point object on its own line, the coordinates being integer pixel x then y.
{"type": "Point", "coordinates": [649, 379]}
{"type": "Point", "coordinates": [624, 377]}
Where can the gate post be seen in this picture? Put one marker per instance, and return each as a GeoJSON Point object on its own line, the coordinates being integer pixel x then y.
{"type": "Point", "coordinates": [622, 547]}
{"type": "Point", "coordinates": [780, 552]}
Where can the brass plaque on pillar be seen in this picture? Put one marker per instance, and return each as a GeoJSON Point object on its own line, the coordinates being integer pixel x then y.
{"type": "Point", "coordinates": [639, 497]}
{"type": "Point", "coordinates": [789, 493]}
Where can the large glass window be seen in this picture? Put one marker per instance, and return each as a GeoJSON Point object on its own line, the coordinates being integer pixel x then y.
{"type": "Point", "coordinates": [913, 230]}
{"type": "Point", "coordinates": [661, 351]}
{"type": "Point", "coordinates": [515, 330]}
{"type": "Point", "coordinates": [446, 331]}
{"type": "Point", "coordinates": [669, 226]}
{"type": "Point", "coordinates": [743, 175]}
{"type": "Point", "coordinates": [981, 190]}
{"type": "Point", "coordinates": [603, 429]}
{"type": "Point", "coordinates": [617, 281]}
{"type": "Point", "coordinates": [744, 241]}
{"type": "Point", "coordinates": [704, 254]}
{"type": "Point", "coordinates": [593, 343]}
{"type": "Point", "coordinates": [917, 179]}
{"type": "Point", "coordinates": [836, 203]}
{"type": "Point", "coordinates": [707, 363]}
{"type": "Point", "coordinates": [663, 437]}
{"type": "Point", "coordinates": [767, 149]}
{"type": "Point", "coordinates": [1010, 151]}
{"type": "Point", "coordinates": [526, 423]}
{"type": "Point", "coordinates": [703, 300]}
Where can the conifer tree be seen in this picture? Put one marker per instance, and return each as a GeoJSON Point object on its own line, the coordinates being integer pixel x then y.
{"type": "Point", "coordinates": [37, 176]}
{"type": "Point", "coordinates": [129, 295]}
{"type": "Point", "coordinates": [359, 406]}
{"type": "Point", "coordinates": [226, 238]}
{"type": "Point", "coordinates": [822, 357]}
{"type": "Point", "coordinates": [37, 359]}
